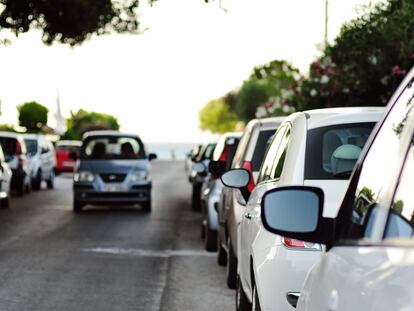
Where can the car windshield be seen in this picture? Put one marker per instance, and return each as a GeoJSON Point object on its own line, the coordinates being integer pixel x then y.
{"type": "Point", "coordinates": [332, 151]}
{"type": "Point", "coordinates": [31, 146]}
{"type": "Point", "coordinates": [112, 148]}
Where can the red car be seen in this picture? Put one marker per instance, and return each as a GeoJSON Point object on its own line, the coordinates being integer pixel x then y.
{"type": "Point", "coordinates": [63, 148]}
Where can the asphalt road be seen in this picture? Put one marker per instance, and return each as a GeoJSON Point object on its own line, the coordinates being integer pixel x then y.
{"type": "Point", "coordinates": [108, 258]}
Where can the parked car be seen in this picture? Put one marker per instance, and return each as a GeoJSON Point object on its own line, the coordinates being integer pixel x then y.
{"type": "Point", "coordinates": [5, 181]}
{"type": "Point", "coordinates": [42, 160]}
{"type": "Point", "coordinates": [369, 243]}
{"type": "Point", "coordinates": [113, 168]}
{"type": "Point", "coordinates": [312, 148]}
{"type": "Point", "coordinates": [249, 155]}
{"type": "Point", "coordinates": [211, 190]}
{"type": "Point", "coordinates": [64, 163]}
{"type": "Point", "coordinates": [191, 157]}
{"type": "Point", "coordinates": [15, 155]}
{"type": "Point", "coordinates": [198, 173]}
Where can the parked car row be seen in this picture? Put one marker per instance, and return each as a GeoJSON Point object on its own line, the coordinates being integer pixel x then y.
{"type": "Point", "coordinates": [317, 212]}
{"type": "Point", "coordinates": [26, 160]}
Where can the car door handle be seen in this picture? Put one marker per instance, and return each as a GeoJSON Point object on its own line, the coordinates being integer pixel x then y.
{"type": "Point", "coordinates": [247, 215]}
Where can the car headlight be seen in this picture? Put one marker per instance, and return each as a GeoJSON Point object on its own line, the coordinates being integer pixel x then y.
{"type": "Point", "coordinates": [84, 176]}
{"type": "Point", "coordinates": [139, 175]}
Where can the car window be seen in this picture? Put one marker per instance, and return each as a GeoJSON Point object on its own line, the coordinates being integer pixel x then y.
{"type": "Point", "coordinates": [332, 151]}
{"type": "Point", "coordinates": [8, 145]}
{"type": "Point", "coordinates": [31, 146]}
{"type": "Point", "coordinates": [280, 158]}
{"type": "Point", "coordinates": [401, 220]}
{"type": "Point", "coordinates": [242, 148]}
{"type": "Point", "coordinates": [266, 169]}
{"type": "Point", "coordinates": [111, 148]}
{"type": "Point", "coordinates": [379, 165]}
{"type": "Point", "coordinates": [262, 144]}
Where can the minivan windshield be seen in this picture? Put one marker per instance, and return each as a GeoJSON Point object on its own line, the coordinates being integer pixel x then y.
{"type": "Point", "coordinates": [332, 151]}
{"type": "Point", "coordinates": [31, 146]}
{"type": "Point", "coordinates": [112, 148]}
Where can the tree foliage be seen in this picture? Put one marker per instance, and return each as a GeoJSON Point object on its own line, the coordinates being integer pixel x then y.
{"type": "Point", "coordinates": [83, 121]}
{"type": "Point", "coordinates": [7, 128]}
{"type": "Point", "coordinates": [70, 22]}
{"type": "Point", "coordinates": [32, 116]}
{"type": "Point", "coordinates": [216, 117]}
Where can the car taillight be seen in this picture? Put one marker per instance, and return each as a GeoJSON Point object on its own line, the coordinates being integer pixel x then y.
{"type": "Point", "coordinates": [293, 243]}
{"type": "Point", "coordinates": [18, 148]}
{"type": "Point", "coordinates": [247, 165]}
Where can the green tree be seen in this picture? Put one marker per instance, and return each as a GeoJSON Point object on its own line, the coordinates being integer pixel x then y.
{"type": "Point", "coordinates": [7, 128]}
{"type": "Point", "coordinates": [252, 94]}
{"type": "Point", "coordinates": [70, 22]}
{"type": "Point", "coordinates": [217, 118]}
{"type": "Point", "coordinates": [32, 116]}
{"type": "Point", "coordinates": [83, 121]}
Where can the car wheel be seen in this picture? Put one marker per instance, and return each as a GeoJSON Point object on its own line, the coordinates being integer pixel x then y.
{"type": "Point", "coordinates": [77, 206]}
{"type": "Point", "coordinates": [242, 303]}
{"type": "Point", "coordinates": [51, 181]}
{"type": "Point", "coordinates": [5, 203]}
{"type": "Point", "coordinates": [37, 181]}
{"type": "Point", "coordinates": [147, 207]}
{"type": "Point", "coordinates": [221, 254]}
{"type": "Point", "coordinates": [210, 241]}
{"type": "Point", "coordinates": [231, 266]}
{"type": "Point", "coordinates": [255, 299]}
{"type": "Point", "coordinates": [195, 198]}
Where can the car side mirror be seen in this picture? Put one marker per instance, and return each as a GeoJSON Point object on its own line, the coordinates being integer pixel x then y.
{"type": "Point", "coordinates": [217, 168]}
{"type": "Point", "coordinates": [237, 178]}
{"type": "Point", "coordinates": [73, 155]}
{"type": "Point", "coordinates": [152, 156]}
{"type": "Point", "coordinates": [296, 212]}
{"type": "Point", "coordinates": [200, 169]}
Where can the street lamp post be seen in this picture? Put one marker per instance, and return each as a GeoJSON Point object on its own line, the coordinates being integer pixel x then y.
{"type": "Point", "coordinates": [326, 24]}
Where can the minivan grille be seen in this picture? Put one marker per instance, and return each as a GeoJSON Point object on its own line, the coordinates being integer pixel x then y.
{"type": "Point", "coordinates": [113, 178]}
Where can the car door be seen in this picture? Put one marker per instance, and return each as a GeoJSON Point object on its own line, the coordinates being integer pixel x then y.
{"type": "Point", "coordinates": [349, 273]}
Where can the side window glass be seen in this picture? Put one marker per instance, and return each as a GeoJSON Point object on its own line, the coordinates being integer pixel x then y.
{"type": "Point", "coordinates": [266, 169]}
{"type": "Point", "coordinates": [401, 219]}
{"type": "Point", "coordinates": [379, 164]}
{"type": "Point", "coordinates": [279, 160]}
{"type": "Point", "coordinates": [241, 149]}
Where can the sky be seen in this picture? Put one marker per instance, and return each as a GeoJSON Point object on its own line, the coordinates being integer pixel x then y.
{"type": "Point", "coordinates": [157, 82]}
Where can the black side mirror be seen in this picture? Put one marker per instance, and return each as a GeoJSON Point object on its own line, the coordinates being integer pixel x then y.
{"type": "Point", "coordinates": [238, 178]}
{"type": "Point", "coordinates": [73, 155]}
{"type": "Point", "coordinates": [152, 156]}
{"type": "Point", "coordinates": [217, 168]}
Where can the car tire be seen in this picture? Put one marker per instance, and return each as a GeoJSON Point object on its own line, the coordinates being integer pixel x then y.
{"type": "Point", "coordinates": [5, 203]}
{"type": "Point", "coordinates": [242, 303]}
{"type": "Point", "coordinates": [221, 253]}
{"type": "Point", "coordinates": [51, 181]}
{"type": "Point", "coordinates": [147, 207]}
{"type": "Point", "coordinates": [195, 198]}
{"type": "Point", "coordinates": [77, 206]}
{"type": "Point", "coordinates": [210, 241]}
{"type": "Point", "coordinates": [37, 181]}
{"type": "Point", "coordinates": [231, 275]}
{"type": "Point", "coordinates": [255, 299]}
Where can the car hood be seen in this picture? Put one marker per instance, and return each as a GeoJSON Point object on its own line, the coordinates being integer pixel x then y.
{"type": "Point", "coordinates": [113, 166]}
{"type": "Point", "coordinates": [334, 191]}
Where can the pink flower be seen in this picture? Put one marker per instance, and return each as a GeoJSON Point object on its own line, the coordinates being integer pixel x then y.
{"type": "Point", "coordinates": [412, 56]}
{"type": "Point", "coordinates": [396, 70]}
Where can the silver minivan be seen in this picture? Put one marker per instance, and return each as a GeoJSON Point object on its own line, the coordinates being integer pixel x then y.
{"type": "Point", "coordinates": [112, 169]}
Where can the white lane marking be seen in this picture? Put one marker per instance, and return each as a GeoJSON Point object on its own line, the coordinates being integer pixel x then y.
{"type": "Point", "coordinates": [148, 253]}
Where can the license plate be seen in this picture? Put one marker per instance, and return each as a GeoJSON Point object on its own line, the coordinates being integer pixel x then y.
{"type": "Point", "coordinates": [112, 188]}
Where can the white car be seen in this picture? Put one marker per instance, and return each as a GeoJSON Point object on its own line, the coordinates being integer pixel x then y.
{"type": "Point", "coordinates": [42, 160]}
{"type": "Point", "coordinates": [369, 262]}
{"type": "Point", "coordinates": [15, 154]}
{"type": "Point", "coordinates": [5, 181]}
{"type": "Point", "coordinates": [312, 148]}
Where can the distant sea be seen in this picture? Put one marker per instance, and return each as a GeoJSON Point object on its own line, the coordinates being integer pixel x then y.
{"type": "Point", "coordinates": [170, 151]}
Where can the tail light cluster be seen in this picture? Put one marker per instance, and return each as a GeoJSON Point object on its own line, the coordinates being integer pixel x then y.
{"type": "Point", "coordinates": [247, 165]}
{"type": "Point", "coordinates": [293, 243]}
{"type": "Point", "coordinates": [19, 154]}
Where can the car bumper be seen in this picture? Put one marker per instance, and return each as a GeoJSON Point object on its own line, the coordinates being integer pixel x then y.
{"type": "Point", "coordinates": [87, 194]}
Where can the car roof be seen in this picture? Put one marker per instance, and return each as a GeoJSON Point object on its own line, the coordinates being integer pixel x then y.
{"type": "Point", "coordinates": [69, 143]}
{"type": "Point", "coordinates": [32, 136]}
{"type": "Point", "coordinates": [10, 134]}
{"type": "Point", "coordinates": [266, 123]}
{"type": "Point", "coordinates": [107, 133]}
{"type": "Point", "coordinates": [331, 116]}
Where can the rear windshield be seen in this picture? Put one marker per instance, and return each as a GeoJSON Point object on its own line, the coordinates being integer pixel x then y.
{"type": "Point", "coordinates": [8, 145]}
{"type": "Point", "coordinates": [31, 146]}
{"type": "Point", "coordinates": [265, 137]}
{"type": "Point", "coordinates": [112, 148]}
{"type": "Point", "coordinates": [332, 151]}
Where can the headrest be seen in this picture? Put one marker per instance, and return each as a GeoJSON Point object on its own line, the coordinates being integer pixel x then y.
{"type": "Point", "coordinates": [344, 158]}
